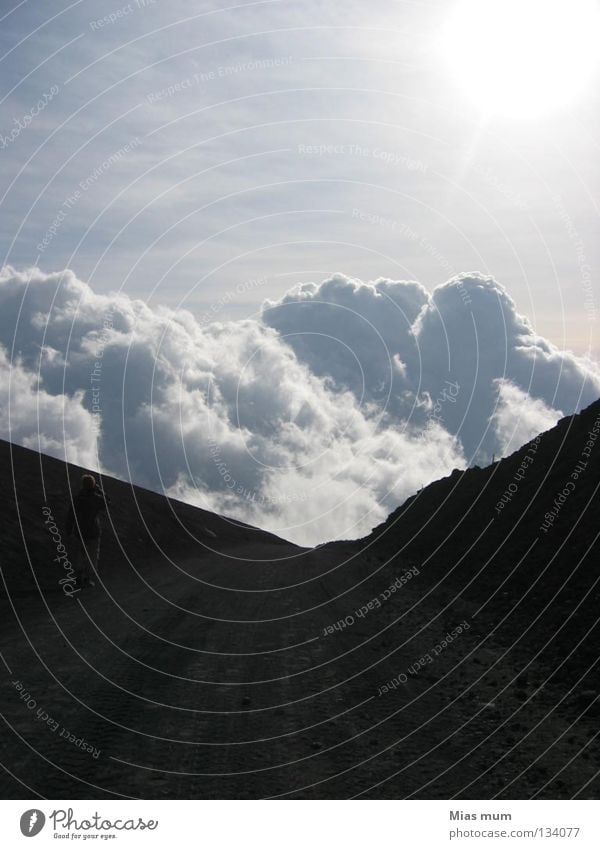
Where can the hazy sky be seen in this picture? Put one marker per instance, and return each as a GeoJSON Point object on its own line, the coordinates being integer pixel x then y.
{"type": "Point", "coordinates": [213, 158]}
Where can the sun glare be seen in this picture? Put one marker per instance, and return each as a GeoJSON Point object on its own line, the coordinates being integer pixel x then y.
{"type": "Point", "coordinates": [522, 58]}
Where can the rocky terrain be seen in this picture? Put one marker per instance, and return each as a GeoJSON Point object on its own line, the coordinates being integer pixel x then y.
{"type": "Point", "coordinates": [453, 653]}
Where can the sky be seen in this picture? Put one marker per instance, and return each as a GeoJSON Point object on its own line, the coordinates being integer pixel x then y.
{"type": "Point", "coordinates": [277, 142]}
{"type": "Point", "coordinates": [322, 252]}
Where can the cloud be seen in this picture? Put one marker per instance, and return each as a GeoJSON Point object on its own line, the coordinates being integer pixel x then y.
{"type": "Point", "coordinates": [314, 423]}
{"type": "Point", "coordinates": [225, 416]}
{"type": "Point", "coordinates": [54, 424]}
{"type": "Point", "coordinates": [395, 346]}
{"type": "Point", "coordinates": [356, 334]}
{"type": "Point", "coordinates": [512, 429]}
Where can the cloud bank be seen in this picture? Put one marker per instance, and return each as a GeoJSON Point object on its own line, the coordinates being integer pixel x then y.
{"type": "Point", "coordinates": [314, 423]}
{"type": "Point", "coordinates": [411, 346]}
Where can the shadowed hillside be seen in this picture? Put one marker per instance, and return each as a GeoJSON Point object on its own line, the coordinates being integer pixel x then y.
{"type": "Point", "coordinates": [140, 524]}
{"type": "Point", "coordinates": [452, 653]}
{"type": "Point", "coordinates": [509, 505]}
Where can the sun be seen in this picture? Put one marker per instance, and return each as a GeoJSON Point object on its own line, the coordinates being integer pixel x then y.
{"type": "Point", "coordinates": [522, 58]}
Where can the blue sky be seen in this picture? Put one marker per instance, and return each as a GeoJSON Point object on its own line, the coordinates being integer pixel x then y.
{"type": "Point", "coordinates": [231, 152]}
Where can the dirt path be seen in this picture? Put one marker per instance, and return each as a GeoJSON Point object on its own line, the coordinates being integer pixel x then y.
{"type": "Point", "coordinates": [208, 681]}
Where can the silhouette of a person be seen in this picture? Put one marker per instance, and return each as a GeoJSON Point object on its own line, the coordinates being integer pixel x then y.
{"type": "Point", "coordinates": [84, 524]}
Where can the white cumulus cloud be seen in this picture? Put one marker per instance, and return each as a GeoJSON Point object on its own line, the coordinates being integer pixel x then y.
{"type": "Point", "coordinates": [225, 416]}
{"type": "Point", "coordinates": [399, 348]}
{"type": "Point", "coordinates": [54, 424]}
{"type": "Point", "coordinates": [314, 423]}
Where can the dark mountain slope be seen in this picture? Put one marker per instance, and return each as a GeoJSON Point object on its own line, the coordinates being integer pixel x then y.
{"type": "Point", "coordinates": [541, 502]}
{"type": "Point", "coordinates": [452, 653]}
{"type": "Point", "coordinates": [454, 510]}
{"type": "Point", "coordinates": [140, 524]}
